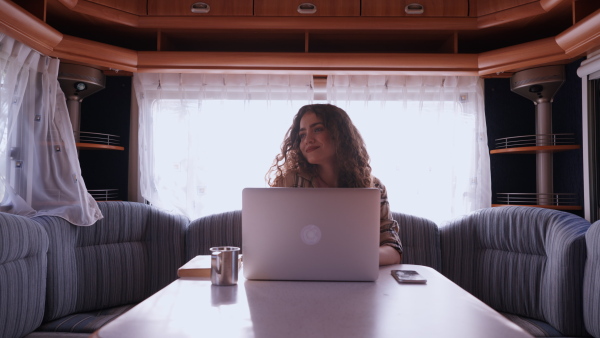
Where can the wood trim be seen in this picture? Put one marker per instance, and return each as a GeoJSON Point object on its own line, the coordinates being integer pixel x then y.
{"type": "Point", "coordinates": [69, 3]}
{"type": "Point", "coordinates": [521, 56]}
{"type": "Point", "coordinates": [574, 42]}
{"type": "Point", "coordinates": [27, 28]}
{"type": "Point", "coordinates": [309, 23]}
{"type": "Point", "coordinates": [321, 63]}
{"type": "Point", "coordinates": [582, 36]}
{"type": "Point", "coordinates": [102, 12]}
{"type": "Point", "coordinates": [95, 53]}
{"type": "Point", "coordinates": [511, 14]}
{"type": "Point", "coordinates": [547, 5]}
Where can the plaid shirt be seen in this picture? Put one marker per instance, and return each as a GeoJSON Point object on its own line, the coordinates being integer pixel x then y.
{"type": "Point", "coordinates": [388, 227]}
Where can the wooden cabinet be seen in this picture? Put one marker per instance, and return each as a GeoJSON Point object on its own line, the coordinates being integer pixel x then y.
{"type": "Point", "coordinates": [200, 8]}
{"type": "Point", "coordinates": [433, 8]}
{"type": "Point", "coordinates": [485, 7]}
{"type": "Point", "coordinates": [130, 6]}
{"type": "Point", "coordinates": [307, 8]}
{"type": "Point", "coordinates": [430, 8]}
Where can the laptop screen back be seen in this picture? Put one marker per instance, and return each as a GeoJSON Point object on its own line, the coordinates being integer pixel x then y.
{"type": "Point", "coordinates": [329, 234]}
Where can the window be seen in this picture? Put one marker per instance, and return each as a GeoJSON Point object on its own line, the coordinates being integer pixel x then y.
{"type": "Point", "coordinates": [426, 138]}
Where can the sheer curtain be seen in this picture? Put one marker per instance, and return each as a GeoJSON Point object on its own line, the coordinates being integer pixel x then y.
{"type": "Point", "coordinates": [39, 166]}
{"type": "Point", "coordinates": [427, 139]}
{"type": "Point", "coordinates": [204, 137]}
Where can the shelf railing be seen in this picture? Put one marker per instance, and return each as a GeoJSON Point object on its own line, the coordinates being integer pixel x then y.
{"type": "Point", "coordinates": [535, 140]}
{"type": "Point", "coordinates": [556, 199]}
{"type": "Point", "coordinates": [97, 138]}
{"type": "Point", "coordinates": [104, 194]}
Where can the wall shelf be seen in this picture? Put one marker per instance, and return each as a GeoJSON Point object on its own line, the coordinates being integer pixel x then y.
{"type": "Point", "coordinates": [105, 194]}
{"type": "Point", "coordinates": [555, 207]}
{"type": "Point", "coordinates": [93, 146]}
{"type": "Point", "coordinates": [535, 149]}
{"type": "Point", "coordinates": [556, 201]}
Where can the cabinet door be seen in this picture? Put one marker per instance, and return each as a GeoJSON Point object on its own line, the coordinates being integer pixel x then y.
{"type": "Point", "coordinates": [492, 6]}
{"type": "Point", "coordinates": [307, 7]}
{"type": "Point", "coordinates": [205, 7]}
{"type": "Point", "coordinates": [130, 6]}
{"type": "Point", "coordinates": [439, 8]}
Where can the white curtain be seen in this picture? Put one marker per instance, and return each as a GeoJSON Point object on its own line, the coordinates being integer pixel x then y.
{"type": "Point", "coordinates": [204, 137]}
{"type": "Point", "coordinates": [427, 139]}
{"type": "Point", "coordinates": [39, 167]}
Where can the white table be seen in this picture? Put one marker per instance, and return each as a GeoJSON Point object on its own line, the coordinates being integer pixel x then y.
{"type": "Point", "coordinates": [192, 307]}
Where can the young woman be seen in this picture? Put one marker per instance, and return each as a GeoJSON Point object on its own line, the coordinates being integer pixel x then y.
{"type": "Point", "coordinates": [324, 149]}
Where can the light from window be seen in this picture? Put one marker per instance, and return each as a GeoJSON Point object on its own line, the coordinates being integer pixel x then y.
{"type": "Point", "coordinates": [205, 155]}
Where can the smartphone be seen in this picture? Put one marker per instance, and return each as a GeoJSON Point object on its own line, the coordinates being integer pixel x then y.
{"type": "Point", "coordinates": [408, 277]}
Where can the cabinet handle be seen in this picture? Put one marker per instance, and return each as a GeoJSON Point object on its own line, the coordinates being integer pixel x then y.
{"type": "Point", "coordinates": [307, 8]}
{"type": "Point", "coordinates": [414, 9]}
{"type": "Point", "coordinates": [200, 7]}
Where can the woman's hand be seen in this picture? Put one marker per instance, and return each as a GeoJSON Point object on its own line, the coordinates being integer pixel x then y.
{"type": "Point", "coordinates": [389, 255]}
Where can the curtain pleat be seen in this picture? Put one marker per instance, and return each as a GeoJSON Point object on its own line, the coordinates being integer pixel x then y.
{"type": "Point", "coordinates": [200, 133]}
{"type": "Point", "coordinates": [39, 165]}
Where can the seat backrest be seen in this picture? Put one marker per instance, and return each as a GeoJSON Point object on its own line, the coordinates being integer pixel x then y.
{"type": "Point", "coordinates": [521, 260]}
{"type": "Point", "coordinates": [131, 253]}
{"type": "Point", "coordinates": [224, 229]}
{"type": "Point", "coordinates": [420, 239]}
{"type": "Point", "coordinates": [591, 281]}
{"type": "Point", "coordinates": [23, 268]}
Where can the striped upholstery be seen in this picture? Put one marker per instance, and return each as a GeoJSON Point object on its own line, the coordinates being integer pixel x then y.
{"type": "Point", "coordinates": [520, 260]}
{"type": "Point", "coordinates": [214, 230]}
{"type": "Point", "coordinates": [47, 334]}
{"type": "Point", "coordinates": [420, 239]}
{"type": "Point", "coordinates": [122, 259]}
{"type": "Point", "coordinates": [84, 322]}
{"type": "Point", "coordinates": [535, 327]}
{"type": "Point", "coordinates": [591, 281]}
{"type": "Point", "coordinates": [23, 248]}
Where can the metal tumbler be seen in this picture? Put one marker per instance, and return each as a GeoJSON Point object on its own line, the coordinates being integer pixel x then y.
{"type": "Point", "coordinates": [224, 265]}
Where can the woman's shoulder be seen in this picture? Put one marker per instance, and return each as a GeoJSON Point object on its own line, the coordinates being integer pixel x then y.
{"type": "Point", "coordinates": [376, 183]}
{"type": "Point", "coordinates": [293, 179]}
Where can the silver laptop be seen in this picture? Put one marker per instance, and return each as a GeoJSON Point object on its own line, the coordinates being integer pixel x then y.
{"type": "Point", "coordinates": [329, 234]}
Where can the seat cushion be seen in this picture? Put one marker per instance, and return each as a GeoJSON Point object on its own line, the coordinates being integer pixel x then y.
{"type": "Point", "coordinates": [23, 269]}
{"type": "Point", "coordinates": [84, 322]}
{"type": "Point", "coordinates": [535, 327]}
{"type": "Point", "coordinates": [591, 281]}
{"type": "Point", "coordinates": [420, 240]}
{"type": "Point", "coordinates": [213, 230]}
{"type": "Point", "coordinates": [521, 260]}
{"type": "Point", "coordinates": [134, 251]}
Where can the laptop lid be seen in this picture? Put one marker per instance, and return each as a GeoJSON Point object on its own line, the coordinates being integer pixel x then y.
{"type": "Point", "coordinates": [327, 234]}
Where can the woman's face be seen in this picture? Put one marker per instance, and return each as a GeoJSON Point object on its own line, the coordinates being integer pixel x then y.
{"type": "Point", "coordinates": [316, 142]}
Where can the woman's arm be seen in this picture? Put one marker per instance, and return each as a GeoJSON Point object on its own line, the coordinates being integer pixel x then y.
{"type": "Point", "coordinates": [389, 255]}
{"type": "Point", "coordinates": [390, 247]}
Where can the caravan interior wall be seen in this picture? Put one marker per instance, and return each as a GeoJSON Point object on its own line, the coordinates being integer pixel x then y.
{"type": "Point", "coordinates": [509, 114]}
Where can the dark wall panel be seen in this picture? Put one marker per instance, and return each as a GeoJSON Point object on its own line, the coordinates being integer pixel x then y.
{"type": "Point", "coordinates": [107, 112]}
{"type": "Point", "coordinates": [509, 114]}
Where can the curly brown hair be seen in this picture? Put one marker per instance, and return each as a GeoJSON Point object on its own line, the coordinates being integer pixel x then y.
{"type": "Point", "coordinates": [351, 152]}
